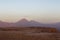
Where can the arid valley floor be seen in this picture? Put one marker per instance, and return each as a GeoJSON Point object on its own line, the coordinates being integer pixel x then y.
{"type": "Point", "coordinates": [29, 33]}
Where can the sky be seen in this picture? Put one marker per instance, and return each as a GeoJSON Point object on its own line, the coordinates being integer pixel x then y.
{"type": "Point", "coordinates": [45, 11]}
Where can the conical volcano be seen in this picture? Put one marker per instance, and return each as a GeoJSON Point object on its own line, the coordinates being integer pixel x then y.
{"type": "Point", "coordinates": [23, 20]}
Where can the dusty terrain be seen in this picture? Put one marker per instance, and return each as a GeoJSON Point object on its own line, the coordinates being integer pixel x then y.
{"type": "Point", "coordinates": [27, 34]}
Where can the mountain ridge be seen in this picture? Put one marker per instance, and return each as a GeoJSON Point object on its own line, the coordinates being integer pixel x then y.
{"type": "Point", "coordinates": [27, 23]}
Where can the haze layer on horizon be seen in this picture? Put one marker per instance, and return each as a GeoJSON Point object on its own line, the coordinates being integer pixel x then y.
{"type": "Point", "coordinates": [40, 10]}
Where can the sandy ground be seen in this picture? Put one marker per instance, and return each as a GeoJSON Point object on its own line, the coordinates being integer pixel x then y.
{"type": "Point", "coordinates": [20, 35]}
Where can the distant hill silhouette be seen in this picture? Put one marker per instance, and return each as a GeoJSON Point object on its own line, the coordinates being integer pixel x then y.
{"type": "Point", "coordinates": [26, 23]}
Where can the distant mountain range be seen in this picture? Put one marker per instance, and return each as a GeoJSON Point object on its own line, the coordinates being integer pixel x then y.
{"type": "Point", "coordinates": [26, 23]}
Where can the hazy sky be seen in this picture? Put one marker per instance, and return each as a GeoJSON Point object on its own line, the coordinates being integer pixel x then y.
{"type": "Point", "coordinates": [39, 10]}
